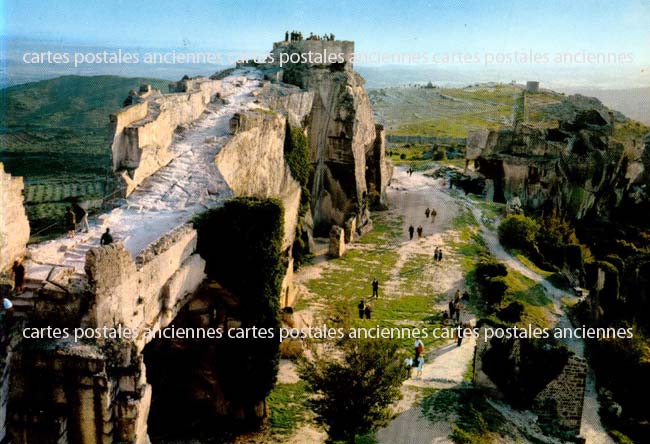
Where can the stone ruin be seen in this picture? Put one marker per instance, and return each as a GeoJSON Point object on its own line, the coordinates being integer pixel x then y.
{"type": "Point", "coordinates": [577, 168]}
{"type": "Point", "coordinates": [97, 391]}
{"type": "Point", "coordinates": [560, 401]}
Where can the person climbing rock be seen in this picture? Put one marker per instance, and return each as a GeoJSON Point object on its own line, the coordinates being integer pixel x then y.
{"type": "Point", "coordinates": [70, 222]}
{"type": "Point", "coordinates": [411, 230]}
{"type": "Point", "coordinates": [419, 231]}
{"type": "Point", "coordinates": [106, 238]}
{"type": "Point", "coordinates": [361, 306]}
{"type": "Point", "coordinates": [375, 288]}
{"type": "Point", "coordinates": [18, 272]}
{"type": "Point", "coordinates": [368, 311]}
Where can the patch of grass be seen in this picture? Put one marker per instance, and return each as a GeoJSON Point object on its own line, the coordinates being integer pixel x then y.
{"type": "Point", "coordinates": [521, 257]}
{"type": "Point", "coordinates": [287, 406]}
{"type": "Point", "coordinates": [473, 419]}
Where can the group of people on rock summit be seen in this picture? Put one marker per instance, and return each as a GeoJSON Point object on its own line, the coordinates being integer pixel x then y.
{"type": "Point", "coordinates": [296, 36]}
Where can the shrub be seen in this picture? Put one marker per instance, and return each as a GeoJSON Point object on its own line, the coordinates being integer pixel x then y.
{"type": "Point", "coordinates": [518, 231]}
{"type": "Point", "coordinates": [495, 289]}
{"type": "Point", "coordinates": [512, 313]}
{"type": "Point", "coordinates": [402, 156]}
{"type": "Point", "coordinates": [354, 391]}
{"type": "Point", "coordinates": [242, 245]}
{"type": "Point", "coordinates": [490, 268]}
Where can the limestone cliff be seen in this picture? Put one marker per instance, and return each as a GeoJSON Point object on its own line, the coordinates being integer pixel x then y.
{"type": "Point", "coordinates": [252, 163]}
{"type": "Point", "coordinates": [14, 226]}
{"type": "Point", "coordinates": [347, 149]}
{"type": "Point", "coordinates": [577, 168]}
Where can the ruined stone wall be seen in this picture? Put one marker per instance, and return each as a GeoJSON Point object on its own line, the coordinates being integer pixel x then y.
{"type": "Point", "coordinates": [14, 226]}
{"type": "Point", "coordinates": [562, 399]}
{"type": "Point", "coordinates": [565, 394]}
{"type": "Point", "coordinates": [252, 163]}
{"type": "Point", "coordinates": [148, 292]}
{"type": "Point", "coordinates": [141, 133]}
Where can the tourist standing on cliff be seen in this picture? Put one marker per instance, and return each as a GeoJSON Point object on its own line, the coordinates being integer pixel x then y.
{"type": "Point", "coordinates": [18, 272]}
{"type": "Point", "coordinates": [70, 222]}
{"type": "Point", "coordinates": [375, 288]}
{"type": "Point", "coordinates": [411, 231]}
{"type": "Point", "coordinates": [106, 238]}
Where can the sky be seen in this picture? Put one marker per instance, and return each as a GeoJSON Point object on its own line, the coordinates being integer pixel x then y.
{"type": "Point", "coordinates": [490, 30]}
{"type": "Point", "coordinates": [414, 25]}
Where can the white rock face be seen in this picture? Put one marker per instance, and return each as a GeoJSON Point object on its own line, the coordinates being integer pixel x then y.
{"type": "Point", "coordinates": [253, 164]}
{"type": "Point", "coordinates": [142, 133]}
{"type": "Point", "coordinates": [14, 226]}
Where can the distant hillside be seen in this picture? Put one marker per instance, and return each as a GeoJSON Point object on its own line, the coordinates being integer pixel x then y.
{"type": "Point", "coordinates": [54, 133]}
{"type": "Point", "coordinates": [60, 113]}
{"type": "Point", "coordinates": [633, 102]}
{"type": "Point", "coordinates": [453, 112]}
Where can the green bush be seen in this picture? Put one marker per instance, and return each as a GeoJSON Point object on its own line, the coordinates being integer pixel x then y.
{"type": "Point", "coordinates": [354, 391]}
{"type": "Point", "coordinates": [512, 313]}
{"type": "Point", "coordinates": [518, 231]}
{"type": "Point", "coordinates": [242, 245]}
{"type": "Point", "coordinates": [489, 268]}
{"type": "Point", "coordinates": [495, 289]}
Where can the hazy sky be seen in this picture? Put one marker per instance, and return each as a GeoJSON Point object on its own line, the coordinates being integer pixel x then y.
{"type": "Point", "coordinates": [381, 25]}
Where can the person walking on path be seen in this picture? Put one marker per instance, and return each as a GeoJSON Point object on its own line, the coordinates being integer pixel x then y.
{"type": "Point", "coordinates": [368, 311]}
{"type": "Point", "coordinates": [420, 364]}
{"type": "Point", "coordinates": [439, 254]}
{"type": "Point", "coordinates": [81, 216]}
{"type": "Point", "coordinates": [451, 309]}
{"type": "Point", "coordinates": [361, 306]}
{"type": "Point", "coordinates": [411, 230]}
{"type": "Point", "coordinates": [106, 238]}
{"type": "Point", "coordinates": [375, 288]}
{"type": "Point", "coordinates": [433, 214]}
{"type": "Point", "coordinates": [418, 349]}
{"type": "Point", "coordinates": [70, 222]}
{"type": "Point", "coordinates": [457, 307]}
{"type": "Point", "coordinates": [419, 231]}
{"type": "Point", "coordinates": [427, 212]}
{"type": "Point", "coordinates": [18, 272]}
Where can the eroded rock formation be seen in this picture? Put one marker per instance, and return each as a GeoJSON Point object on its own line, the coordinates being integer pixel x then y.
{"type": "Point", "coordinates": [578, 168]}
{"type": "Point", "coordinates": [14, 226]}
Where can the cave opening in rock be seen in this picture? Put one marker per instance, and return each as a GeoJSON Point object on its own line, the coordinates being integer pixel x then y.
{"type": "Point", "coordinates": [187, 401]}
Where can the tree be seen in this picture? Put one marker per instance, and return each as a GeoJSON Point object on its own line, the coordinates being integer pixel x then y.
{"type": "Point", "coordinates": [518, 231]}
{"type": "Point", "coordinates": [355, 389]}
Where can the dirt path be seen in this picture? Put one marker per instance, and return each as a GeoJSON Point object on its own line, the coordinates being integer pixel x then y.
{"type": "Point", "coordinates": [591, 427]}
